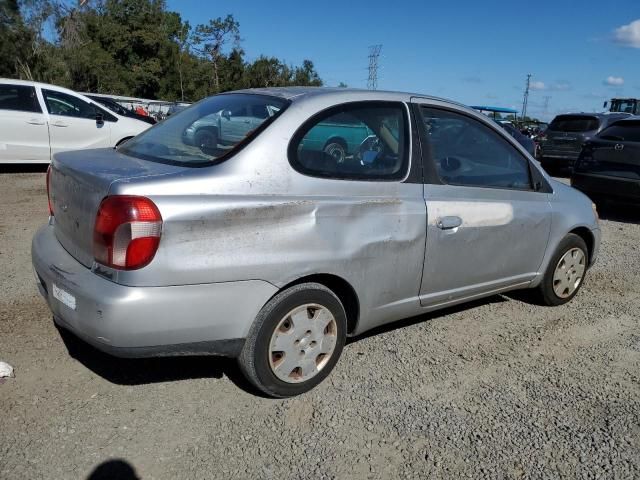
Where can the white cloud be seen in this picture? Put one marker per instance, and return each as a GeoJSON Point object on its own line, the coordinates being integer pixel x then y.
{"type": "Point", "coordinates": [614, 81]}
{"type": "Point", "coordinates": [628, 35]}
{"type": "Point", "coordinates": [560, 87]}
{"type": "Point", "coordinates": [537, 85]}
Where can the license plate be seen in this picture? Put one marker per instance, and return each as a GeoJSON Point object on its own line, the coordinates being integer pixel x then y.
{"type": "Point", "coordinates": [64, 297]}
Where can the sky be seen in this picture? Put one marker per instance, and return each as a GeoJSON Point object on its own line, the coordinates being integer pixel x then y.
{"type": "Point", "coordinates": [478, 52]}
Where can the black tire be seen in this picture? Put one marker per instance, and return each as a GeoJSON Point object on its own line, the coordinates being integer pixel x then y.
{"type": "Point", "coordinates": [337, 149]}
{"type": "Point", "coordinates": [546, 288]}
{"type": "Point", "coordinates": [254, 360]}
{"type": "Point", "coordinates": [206, 138]}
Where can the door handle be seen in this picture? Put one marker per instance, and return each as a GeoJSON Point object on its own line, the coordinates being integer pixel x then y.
{"type": "Point", "coordinates": [448, 223]}
{"type": "Point", "coordinates": [60, 124]}
{"type": "Point", "coordinates": [35, 121]}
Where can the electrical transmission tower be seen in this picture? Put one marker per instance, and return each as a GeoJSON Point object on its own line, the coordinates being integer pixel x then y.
{"type": "Point", "coordinates": [374, 53]}
{"type": "Point", "coordinates": [525, 100]}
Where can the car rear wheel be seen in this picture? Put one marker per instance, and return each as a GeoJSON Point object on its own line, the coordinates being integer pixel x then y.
{"type": "Point", "coordinates": [337, 150]}
{"type": "Point", "coordinates": [295, 341]}
{"type": "Point", "coordinates": [566, 271]}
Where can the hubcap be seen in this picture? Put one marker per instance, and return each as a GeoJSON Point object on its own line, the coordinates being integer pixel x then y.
{"type": "Point", "coordinates": [336, 151]}
{"type": "Point", "coordinates": [302, 343]}
{"type": "Point", "coordinates": [569, 273]}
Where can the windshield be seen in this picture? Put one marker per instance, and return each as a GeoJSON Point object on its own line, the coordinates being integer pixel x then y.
{"type": "Point", "coordinates": [207, 131]}
{"type": "Point", "coordinates": [574, 123]}
{"type": "Point", "coordinates": [628, 131]}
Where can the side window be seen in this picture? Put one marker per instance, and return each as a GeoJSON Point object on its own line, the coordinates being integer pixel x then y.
{"type": "Point", "coordinates": [364, 140]}
{"type": "Point", "coordinates": [59, 103]}
{"type": "Point", "coordinates": [19, 97]}
{"type": "Point", "coordinates": [467, 152]}
{"type": "Point", "coordinates": [260, 111]}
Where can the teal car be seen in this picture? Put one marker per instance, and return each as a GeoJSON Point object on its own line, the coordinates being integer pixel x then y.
{"type": "Point", "coordinates": [340, 136]}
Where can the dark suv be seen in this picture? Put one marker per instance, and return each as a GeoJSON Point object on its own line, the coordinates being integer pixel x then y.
{"type": "Point", "coordinates": [562, 142]}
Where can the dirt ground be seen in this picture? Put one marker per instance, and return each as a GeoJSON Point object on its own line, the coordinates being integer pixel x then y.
{"type": "Point", "coordinates": [499, 388]}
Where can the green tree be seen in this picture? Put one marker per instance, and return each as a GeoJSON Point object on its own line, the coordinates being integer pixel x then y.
{"type": "Point", "coordinates": [133, 48]}
{"type": "Point", "coordinates": [210, 40]}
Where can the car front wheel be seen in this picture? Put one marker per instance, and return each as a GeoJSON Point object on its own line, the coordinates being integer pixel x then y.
{"type": "Point", "coordinates": [295, 341]}
{"type": "Point", "coordinates": [206, 139]}
{"type": "Point", "coordinates": [566, 271]}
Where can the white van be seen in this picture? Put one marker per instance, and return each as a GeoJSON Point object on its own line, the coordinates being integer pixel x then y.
{"type": "Point", "coordinates": [38, 120]}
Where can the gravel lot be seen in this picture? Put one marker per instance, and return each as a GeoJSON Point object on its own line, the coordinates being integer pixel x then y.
{"type": "Point", "coordinates": [499, 388]}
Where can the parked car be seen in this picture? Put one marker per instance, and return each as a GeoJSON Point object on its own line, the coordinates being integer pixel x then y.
{"type": "Point", "coordinates": [521, 138]}
{"type": "Point", "coordinates": [560, 145]}
{"type": "Point", "coordinates": [275, 253]}
{"type": "Point", "coordinates": [339, 136]}
{"type": "Point", "coordinates": [38, 120]}
{"type": "Point", "coordinates": [227, 127]}
{"type": "Point", "coordinates": [609, 165]}
{"type": "Point", "coordinates": [120, 110]}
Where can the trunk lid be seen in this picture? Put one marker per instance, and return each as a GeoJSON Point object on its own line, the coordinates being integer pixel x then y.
{"type": "Point", "coordinates": [79, 181]}
{"type": "Point", "coordinates": [567, 133]}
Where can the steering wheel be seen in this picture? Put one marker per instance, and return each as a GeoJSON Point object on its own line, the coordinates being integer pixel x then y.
{"type": "Point", "coordinates": [368, 151]}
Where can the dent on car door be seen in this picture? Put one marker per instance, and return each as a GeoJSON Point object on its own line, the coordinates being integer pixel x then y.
{"type": "Point", "coordinates": [368, 224]}
{"type": "Point", "coordinates": [488, 225]}
{"type": "Point", "coordinates": [24, 136]}
{"type": "Point", "coordinates": [73, 124]}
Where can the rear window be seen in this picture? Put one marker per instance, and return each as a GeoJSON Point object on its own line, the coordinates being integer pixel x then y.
{"type": "Point", "coordinates": [574, 123]}
{"type": "Point", "coordinates": [208, 131]}
{"type": "Point", "coordinates": [622, 132]}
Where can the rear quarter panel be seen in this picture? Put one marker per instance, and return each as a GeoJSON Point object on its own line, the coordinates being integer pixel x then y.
{"type": "Point", "coordinates": [570, 209]}
{"type": "Point", "coordinates": [254, 217]}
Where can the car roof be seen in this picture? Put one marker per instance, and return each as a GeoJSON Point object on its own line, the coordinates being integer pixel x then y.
{"type": "Point", "coordinates": [298, 93]}
{"type": "Point", "coordinates": [31, 83]}
{"type": "Point", "coordinates": [600, 115]}
{"type": "Point", "coordinates": [631, 119]}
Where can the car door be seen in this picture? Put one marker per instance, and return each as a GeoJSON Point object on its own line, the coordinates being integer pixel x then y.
{"type": "Point", "coordinates": [616, 152]}
{"type": "Point", "coordinates": [24, 135]}
{"type": "Point", "coordinates": [235, 124]}
{"type": "Point", "coordinates": [73, 124]}
{"type": "Point", "coordinates": [489, 215]}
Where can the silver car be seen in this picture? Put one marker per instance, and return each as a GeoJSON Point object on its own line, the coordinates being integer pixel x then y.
{"type": "Point", "coordinates": [274, 251]}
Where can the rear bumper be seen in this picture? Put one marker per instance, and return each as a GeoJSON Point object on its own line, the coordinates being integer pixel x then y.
{"type": "Point", "coordinates": [144, 321]}
{"type": "Point", "coordinates": [614, 188]}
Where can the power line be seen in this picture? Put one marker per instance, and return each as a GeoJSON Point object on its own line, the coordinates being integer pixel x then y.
{"type": "Point", "coordinates": [525, 100]}
{"type": "Point", "coordinates": [374, 53]}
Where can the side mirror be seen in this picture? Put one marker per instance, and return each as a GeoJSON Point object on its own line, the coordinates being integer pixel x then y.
{"type": "Point", "coordinates": [99, 119]}
{"type": "Point", "coordinates": [226, 114]}
{"type": "Point", "coordinates": [604, 105]}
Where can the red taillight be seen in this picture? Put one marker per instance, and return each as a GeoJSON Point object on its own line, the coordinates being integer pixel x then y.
{"type": "Point", "coordinates": [49, 191]}
{"type": "Point", "coordinates": [127, 232]}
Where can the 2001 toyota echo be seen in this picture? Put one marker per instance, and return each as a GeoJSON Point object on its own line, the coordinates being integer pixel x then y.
{"type": "Point", "coordinates": [274, 245]}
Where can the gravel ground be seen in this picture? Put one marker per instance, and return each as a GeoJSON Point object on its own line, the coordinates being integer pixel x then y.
{"type": "Point", "coordinates": [499, 388]}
